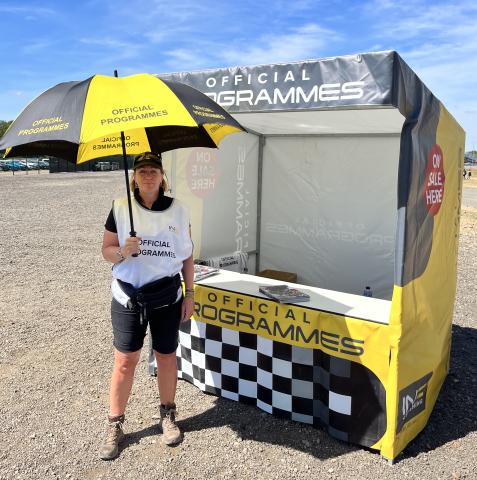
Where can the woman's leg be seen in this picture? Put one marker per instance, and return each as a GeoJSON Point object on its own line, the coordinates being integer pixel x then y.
{"type": "Point", "coordinates": [165, 334]}
{"type": "Point", "coordinates": [121, 384]}
{"type": "Point", "coordinates": [121, 381]}
{"type": "Point", "coordinates": [166, 377]}
{"type": "Point", "coordinates": [167, 382]}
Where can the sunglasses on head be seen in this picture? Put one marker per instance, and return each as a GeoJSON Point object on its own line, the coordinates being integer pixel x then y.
{"type": "Point", "coordinates": [148, 156]}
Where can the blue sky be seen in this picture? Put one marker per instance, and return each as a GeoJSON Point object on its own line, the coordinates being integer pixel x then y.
{"type": "Point", "coordinates": [49, 42]}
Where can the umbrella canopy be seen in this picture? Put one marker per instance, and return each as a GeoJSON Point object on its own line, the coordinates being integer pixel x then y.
{"type": "Point", "coordinates": [80, 121]}
{"type": "Point", "coordinates": [103, 116]}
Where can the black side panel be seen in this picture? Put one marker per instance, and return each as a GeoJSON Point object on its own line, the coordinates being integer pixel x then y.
{"type": "Point", "coordinates": [421, 110]}
{"type": "Point", "coordinates": [56, 115]}
{"type": "Point", "coordinates": [162, 139]}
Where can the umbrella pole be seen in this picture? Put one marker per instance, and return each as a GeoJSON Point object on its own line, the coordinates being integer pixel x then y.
{"type": "Point", "coordinates": [132, 233]}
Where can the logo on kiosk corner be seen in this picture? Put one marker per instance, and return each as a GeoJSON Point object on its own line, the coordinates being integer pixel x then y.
{"type": "Point", "coordinates": [412, 401]}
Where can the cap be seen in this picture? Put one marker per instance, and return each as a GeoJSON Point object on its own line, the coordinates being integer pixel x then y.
{"type": "Point", "coordinates": [148, 158]}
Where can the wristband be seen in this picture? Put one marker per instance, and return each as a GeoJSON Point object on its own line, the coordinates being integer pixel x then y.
{"type": "Point", "coordinates": [120, 255]}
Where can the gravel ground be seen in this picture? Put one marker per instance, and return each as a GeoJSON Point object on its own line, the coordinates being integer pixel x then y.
{"type": "Point", "coordinates": [56, 357]}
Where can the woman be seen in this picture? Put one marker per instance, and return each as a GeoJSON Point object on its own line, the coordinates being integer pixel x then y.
{"type": "Point", "coordinates": [147, 290]}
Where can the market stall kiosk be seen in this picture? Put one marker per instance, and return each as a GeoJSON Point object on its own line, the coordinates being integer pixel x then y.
{"type": "Point", "coordinates": [350, 176]}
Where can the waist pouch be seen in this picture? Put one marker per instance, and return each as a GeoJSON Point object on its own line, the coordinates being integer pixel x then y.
{"type": "Point", "coordinates": [151, 296]}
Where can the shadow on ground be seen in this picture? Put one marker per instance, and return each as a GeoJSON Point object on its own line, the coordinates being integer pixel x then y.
{"type": "Point", "coordinates": [454, 415]}
{"type": "Point", "coordinates": [250, 423]}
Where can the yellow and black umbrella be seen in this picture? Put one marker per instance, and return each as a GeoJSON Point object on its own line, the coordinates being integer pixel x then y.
{"type": "Point", "coordinates": [103, 116]}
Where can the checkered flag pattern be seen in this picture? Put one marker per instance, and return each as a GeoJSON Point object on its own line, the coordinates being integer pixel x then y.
{"type": "Point", "coordinates": [291, 382]}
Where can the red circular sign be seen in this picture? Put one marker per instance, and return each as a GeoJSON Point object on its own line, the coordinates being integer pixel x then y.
{"type": "Point", "coordinates": [202, 174]}
{"type": "Point", "coordinates": [434, 180]}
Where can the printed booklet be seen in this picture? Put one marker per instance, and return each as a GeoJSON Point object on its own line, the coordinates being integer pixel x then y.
{"type": "Point", "coordinates": [203, 271]}
{"type": "Point", "coordinates": [284, 294]}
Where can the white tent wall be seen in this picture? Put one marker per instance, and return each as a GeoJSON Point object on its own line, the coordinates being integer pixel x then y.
{"type": "Point", "coordinates": [329, 210]}
{"type": "Point", "coordinates": [220, 189]}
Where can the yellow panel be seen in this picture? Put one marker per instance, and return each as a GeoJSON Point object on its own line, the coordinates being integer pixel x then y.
{"type": "Point", "coordinates": [218, 132]}
{"type": "Point", "coordinates": [122, 104]}
{"type": "Point", "coordinates": [136, 142]}
{"type": "Point", "coordinates": [353, 339]}
{"type": "Point", "coordinates": [394, 336]}
{"type": "Point", "coordinates": [427, 302]}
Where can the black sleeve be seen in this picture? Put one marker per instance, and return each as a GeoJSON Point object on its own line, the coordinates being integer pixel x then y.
{"type": "Point", "coordinates": [110, 224]}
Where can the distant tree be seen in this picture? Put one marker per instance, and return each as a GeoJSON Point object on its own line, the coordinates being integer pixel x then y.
{"type": "Point", "coordinates": [3, 126]}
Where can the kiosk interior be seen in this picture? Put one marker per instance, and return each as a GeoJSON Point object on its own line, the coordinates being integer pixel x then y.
{"type": "Point", "coordinates": [350, 176]}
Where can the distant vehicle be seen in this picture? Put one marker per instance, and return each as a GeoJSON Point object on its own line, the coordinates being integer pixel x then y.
{"type": "Point", "coordinates": [33, 163]}
{"type": "Point", "coordinates": [27, 164]}
{"type": "Point", "coordinates": [102, 166]}
{"type": "Point", "coordinates": [43, 164]}
{"type": "Point", "coordinates": [17, 163]}
{"type": "Point", "coordinates": [3, 165]}
{"type": "Point", "coordinates": [470, 158]}
{"type": "Point", "coordinates": [14, 165]}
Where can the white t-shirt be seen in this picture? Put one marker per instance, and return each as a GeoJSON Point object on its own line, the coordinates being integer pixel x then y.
{"type": "Point", "coordinates": [165, 241]}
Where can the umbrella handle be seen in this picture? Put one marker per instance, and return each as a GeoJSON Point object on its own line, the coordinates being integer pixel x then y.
{"type": "Point", "coordinates": [132, 233]}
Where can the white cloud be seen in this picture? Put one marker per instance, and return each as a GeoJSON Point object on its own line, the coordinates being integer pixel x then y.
{"type": "Point", "coordinates": [117, 49]}
{"type": "Point", "coordinates": [440, 21]}
{"type": "Point", "coordinates": [107, 42]}
{"type": "Point", "coordinates": [185, 57]}
{"type": "Point", "coordinates": [439, 42]}
{"type": "Point", "coordinates": [300, 44]}
{"type": "Point", "coordinates": [35, 47]}
{"type": "Point", "coordinates": [153, 18]}
{"type": "Point", "coordinates": [29, 10]}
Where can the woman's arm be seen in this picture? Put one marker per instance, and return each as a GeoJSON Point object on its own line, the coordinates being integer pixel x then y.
{"type": "Point", "coordinates": [188, 273]}
{"type": "Point", "coordinates": [115, 254]}
{"type": "Point", "coordinates": [188, 276]}
{"type": "Point", "coordinates": [188, 268]}
{"type": "Point", "coordinates": [111, 247]}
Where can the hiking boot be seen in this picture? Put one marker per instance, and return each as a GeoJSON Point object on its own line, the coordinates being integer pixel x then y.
{"type": "Point", "coordinates": [114, 434]}
{"type": "Point", "coordinates": [171, 435]}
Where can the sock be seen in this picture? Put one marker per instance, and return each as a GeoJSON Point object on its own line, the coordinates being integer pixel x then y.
{"type": "Point", "coordinates": [117, 418]}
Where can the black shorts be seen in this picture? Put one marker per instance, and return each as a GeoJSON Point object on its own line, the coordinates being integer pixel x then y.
{"type": "Point", "coordinates": [129, 333]}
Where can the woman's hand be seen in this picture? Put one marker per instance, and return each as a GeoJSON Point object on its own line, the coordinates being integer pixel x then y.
{"type": "Point", "coordinates": [131, 246]}
{"type": "Point", "coordinates": [187, 308]}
